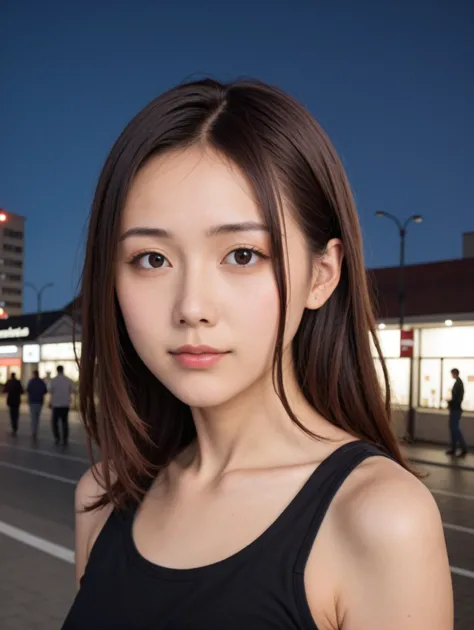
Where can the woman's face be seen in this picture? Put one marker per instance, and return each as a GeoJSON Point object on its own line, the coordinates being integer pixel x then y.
{"type": "Point", "coordinates": [194, 269]}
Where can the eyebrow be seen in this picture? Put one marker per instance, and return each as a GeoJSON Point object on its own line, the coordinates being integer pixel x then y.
{"type": "Point", "coordinates": [226, 228]}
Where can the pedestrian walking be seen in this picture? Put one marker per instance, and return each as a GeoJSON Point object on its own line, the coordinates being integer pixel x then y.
{"type": "Point", "coordinates": [61, 389]}
{"type": "Point", "coordinates": [14, 389]}
{"type": "Point", "coordinates": [455, 413]}
{"type": "Point", "coordinates": [37, 390]}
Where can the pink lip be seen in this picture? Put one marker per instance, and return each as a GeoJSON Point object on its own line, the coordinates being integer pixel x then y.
{"type": "Point", "coordinates": [197, 356]}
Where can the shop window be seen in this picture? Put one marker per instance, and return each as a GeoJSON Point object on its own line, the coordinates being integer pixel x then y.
{"type": "Point", "coordinates": [60, 351]}
{"type": "Point", "coordinates": [399, 378]}
{"type": "Point", "coordinates": [430, 383]}
{"type": "Point", "coordinates": [389, 342]}
{"type": "Point", "coordinates": [457, 341]}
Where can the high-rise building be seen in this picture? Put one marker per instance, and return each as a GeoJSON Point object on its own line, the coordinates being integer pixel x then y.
{"type": "Point", "coordinates": [12, 256]}
{"type": "Point", "coordinates": [468, 245]}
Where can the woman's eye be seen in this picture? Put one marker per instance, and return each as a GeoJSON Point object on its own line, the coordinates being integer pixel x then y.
{"type": "Point", "coordinates": [243, 257]}
{"type": "Point", "coordinates": [152, 260]}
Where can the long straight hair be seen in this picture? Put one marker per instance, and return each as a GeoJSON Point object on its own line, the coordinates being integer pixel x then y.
{"type": "Point", "coordinates": [138, 424]}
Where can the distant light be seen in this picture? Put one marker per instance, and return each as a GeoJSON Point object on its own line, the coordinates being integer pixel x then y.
{"type": "Point", "coordinates": [448, 322]}
{"type": "Point", "coordinates": [382, 326]}
{"type": "Point", "coordinates": [417, 218]}
{"type": "Point", "coordinates": [3, 217]}
{"type": "Point", "coordinates": [380, 213]}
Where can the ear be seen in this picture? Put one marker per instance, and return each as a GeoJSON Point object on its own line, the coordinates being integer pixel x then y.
{"type": "Point", "coordinates": [326, 273]}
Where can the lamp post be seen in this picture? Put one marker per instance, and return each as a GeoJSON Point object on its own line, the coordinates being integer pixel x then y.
{"type": "Point", "coordinates": [39, 293]}
{"type": "Point", "coordinates": [402, 230]}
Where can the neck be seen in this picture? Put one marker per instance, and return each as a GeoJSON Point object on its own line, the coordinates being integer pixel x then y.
{"type": "Point", "coordinates": [252, 430]}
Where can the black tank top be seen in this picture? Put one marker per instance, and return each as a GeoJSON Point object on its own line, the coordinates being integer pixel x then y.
{"type": "Point", "coordinates": [259, 588]}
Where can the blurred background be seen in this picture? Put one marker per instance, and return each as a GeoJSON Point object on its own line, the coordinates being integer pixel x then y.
{"type": "Point", "coordinates": [391, 83]}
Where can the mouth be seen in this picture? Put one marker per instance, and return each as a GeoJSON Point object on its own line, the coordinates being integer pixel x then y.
{"type": "Point", "coordinates": [197, 356]}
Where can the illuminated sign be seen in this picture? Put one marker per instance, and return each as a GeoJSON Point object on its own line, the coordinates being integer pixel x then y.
{"type": "Point", "coordinates": [8, 349]}
{"type": "Point", "coordinates": [14, 333]}
{"type": "Point", "coordinates": [31, 353]}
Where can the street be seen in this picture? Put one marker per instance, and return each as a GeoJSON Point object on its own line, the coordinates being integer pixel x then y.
{"type": "Point", "coordinates": [37, 526]}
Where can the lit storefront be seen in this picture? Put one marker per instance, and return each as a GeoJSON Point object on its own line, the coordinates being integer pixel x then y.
{"type": "Point", "coordinates": [29, 342]}
{"type": "Point", "coordinates": [439, 307]}
{"type": "Point", "coordinates": [65, 353]}
{"type": "Point", "coordinates": [437, 350]}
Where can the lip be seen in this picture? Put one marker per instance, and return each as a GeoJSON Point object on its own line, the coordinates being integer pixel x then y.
{"type": "Point", "coordinates": [197, 357]}
{"type": "Point", "coordinates": [202, 349]}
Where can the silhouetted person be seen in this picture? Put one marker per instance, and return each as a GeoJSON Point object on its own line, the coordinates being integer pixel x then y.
{"type": "Point", "coordinates": [61, 389]}
{"type": "Point", "coordinates": [14, 389]}
{"type": "Point", "coordinates": [37, 390]}
{"type": "Point", "coordinates": [455, 413]}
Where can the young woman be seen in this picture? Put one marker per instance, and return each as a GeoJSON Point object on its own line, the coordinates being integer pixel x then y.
{"type": "Point", "coordinates": [249, 477]}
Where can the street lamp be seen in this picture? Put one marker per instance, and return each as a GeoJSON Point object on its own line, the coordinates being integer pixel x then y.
{"type": "Point", "coordinates": [402, 229]}
{"type": "Point", "coordinates": [39, 293]}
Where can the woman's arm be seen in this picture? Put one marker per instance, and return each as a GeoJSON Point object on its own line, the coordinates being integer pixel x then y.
{"type": "Point", "coordinates": [88, 524]}
{"type": "Point", "coordinates": [395, 572]}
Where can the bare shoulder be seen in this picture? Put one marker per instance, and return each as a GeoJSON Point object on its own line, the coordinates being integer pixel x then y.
{"type": "Point", "coordinates": [392, 551]}
{"type": "Point", "coordinates": [88, 524]}
{"type": "Point", "coordinates": [381, 498]}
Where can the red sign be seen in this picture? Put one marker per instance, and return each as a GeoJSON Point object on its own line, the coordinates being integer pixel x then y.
{"type": "Point", "coordinates": [407, 343]}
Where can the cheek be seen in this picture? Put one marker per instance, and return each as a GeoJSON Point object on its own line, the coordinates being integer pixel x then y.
{"type": "Point", "coordinates": [141, 310]}
{"type": "Point", "coordinates": [258, 315]}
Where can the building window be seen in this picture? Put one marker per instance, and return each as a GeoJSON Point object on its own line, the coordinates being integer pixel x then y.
{"type": "Point", "coordinates": [11, 291]}
{"type": "Point", "coordinates": [12, 233]}
{"type": "Point", "coordinates": [12, 248]}
{"type": "Point", "coordinates": [12, 305]}
{"type": "Point", "coordinates": [11, 277]}
{"type": "Point", "coordinates": [13, 263]}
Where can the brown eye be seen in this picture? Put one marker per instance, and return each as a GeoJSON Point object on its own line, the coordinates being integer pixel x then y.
{"type": "Point", "coordinates": [243, 257]}
{"type": "Point", "coordinates": [152, 260]}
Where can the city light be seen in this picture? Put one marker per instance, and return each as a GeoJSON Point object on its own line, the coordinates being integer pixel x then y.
{"type": "Point", "coordinates": [381, 326]}
{"type": "Point", "coordinates": [448, 322]}
{"type": "Point", "coordinates": [3, 217]}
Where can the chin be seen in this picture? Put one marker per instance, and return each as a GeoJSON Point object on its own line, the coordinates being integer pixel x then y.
{"type": "Point", "coordinates": [204, 390]}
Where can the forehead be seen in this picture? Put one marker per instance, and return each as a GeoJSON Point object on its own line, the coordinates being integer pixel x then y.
{"type": "Point", "coordinates": [193, 187]}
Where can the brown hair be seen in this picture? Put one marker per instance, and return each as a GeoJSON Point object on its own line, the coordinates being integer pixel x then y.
{"type": "Point", "coordinates": [139, 425]}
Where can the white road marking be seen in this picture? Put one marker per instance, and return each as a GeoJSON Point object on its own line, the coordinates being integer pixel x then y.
{"type": "Point", "coordinates": [459, 528]}
{"type": "Point", "coordinates": [39, 473]}
{"type": "Point", "coordinates": [72, 458]}
{"type": "Point", "coordinates": [456, 495]}
{"type": "Point", "coordinates": [63, 553]}
{"type": "Point", "coordinates": [463, 572]}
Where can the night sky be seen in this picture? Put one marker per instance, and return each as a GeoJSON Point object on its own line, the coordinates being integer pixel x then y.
{"type": "Point", "coordinates": [391, 82]}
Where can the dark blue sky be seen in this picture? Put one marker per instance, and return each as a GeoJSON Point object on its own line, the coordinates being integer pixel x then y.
{"type": "Point", "coordinates": [391, 82]}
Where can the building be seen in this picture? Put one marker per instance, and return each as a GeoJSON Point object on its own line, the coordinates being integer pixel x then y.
{"type": "Point", "coordinates": [12, 252]}
{"type": "Point", "coordinates": [439, 310]}
{"type": "Point", "coordinates": [39, 341]}
{"type": "Point", "coordinates": [468, 245]}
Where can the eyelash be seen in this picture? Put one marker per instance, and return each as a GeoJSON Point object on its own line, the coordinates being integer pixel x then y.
{"type": "Point", "coordinates": [134, 262]}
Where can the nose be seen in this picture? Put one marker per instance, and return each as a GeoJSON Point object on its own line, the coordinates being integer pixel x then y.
{"type": "Point", "coordinates": [195, 304]}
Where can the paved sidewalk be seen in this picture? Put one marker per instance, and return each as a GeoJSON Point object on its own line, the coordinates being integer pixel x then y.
{"type": "Point", "coordinates": [435, 455]}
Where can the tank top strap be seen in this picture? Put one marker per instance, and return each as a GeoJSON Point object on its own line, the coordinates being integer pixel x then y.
{"type": "Point", "coordinates": [325, 483]}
